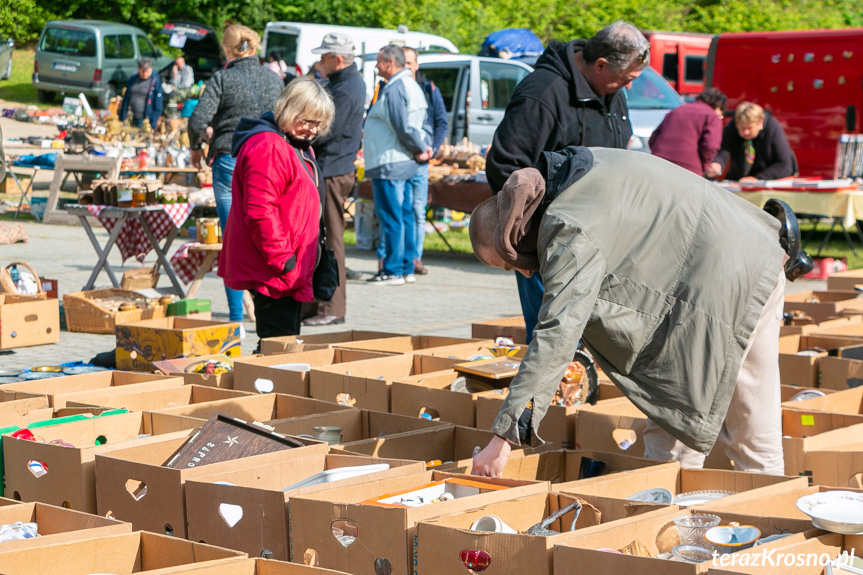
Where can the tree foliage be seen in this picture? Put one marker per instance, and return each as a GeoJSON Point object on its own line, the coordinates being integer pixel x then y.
{"type": "Point", "coordinates": [465, 22]}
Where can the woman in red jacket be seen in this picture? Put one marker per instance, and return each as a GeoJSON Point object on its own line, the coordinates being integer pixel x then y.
{"type": "Point", "coordinates": [270, 245]}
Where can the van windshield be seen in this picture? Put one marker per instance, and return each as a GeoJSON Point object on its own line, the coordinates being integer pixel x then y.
{"type": "Point", "coordinates": [285, 44]}
{"type": "Point", "coordinates": [69, 41]}
{"type": "Point", "coordinates": [650, 91]}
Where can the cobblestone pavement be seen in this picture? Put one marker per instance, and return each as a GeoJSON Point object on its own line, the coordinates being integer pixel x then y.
{"type": "Point", "coordinates": [457, 291]}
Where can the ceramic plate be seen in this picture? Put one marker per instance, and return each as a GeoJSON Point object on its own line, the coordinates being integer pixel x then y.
{"type": "Point", "coordinates": [836, 511]}
{"type": "Point", "coordinates": [339, 473]}
{"type": "Point", "coordinates": [40, 375]}
{"type": "Point", "coordinates": [692, 553]}
{"type": "Point", "coordinates": [699, 497]}
{"type": "Point", "coordinates": [655, 495]}
{"type": "Point", "coordinates": [82, 369]}
{"type": "Point", "coordinates": [770, 538]}
{"type": "Point", "coordinates": [808, 394]}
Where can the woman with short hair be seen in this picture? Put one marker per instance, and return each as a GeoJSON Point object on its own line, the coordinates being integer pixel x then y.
{"type": "Point", "coordinates": [271, 240]}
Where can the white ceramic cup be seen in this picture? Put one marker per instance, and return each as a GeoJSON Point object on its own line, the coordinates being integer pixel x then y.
{"type": "Point", "coordinates": [491, 523]}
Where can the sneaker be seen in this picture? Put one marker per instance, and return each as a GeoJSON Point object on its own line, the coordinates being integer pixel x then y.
{"type": "Point", "coordinates": [419, 268]}
{"type": "Point", "coordinates": [410, 278]}
{"type": "Point", "coordinates": [383, 279]}
{"type": "Point", "coordinates": [353, 274]}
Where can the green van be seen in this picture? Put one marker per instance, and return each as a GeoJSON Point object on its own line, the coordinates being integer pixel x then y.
{"type": "Point", "coordinates": [90, 56]}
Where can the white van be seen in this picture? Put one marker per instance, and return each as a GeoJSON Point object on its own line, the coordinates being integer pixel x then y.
{"type": "Point", "coordinates": [294, 41]}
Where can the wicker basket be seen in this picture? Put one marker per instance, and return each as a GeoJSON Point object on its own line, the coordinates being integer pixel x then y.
{"type": "Point", "coordinates": [97, 311]}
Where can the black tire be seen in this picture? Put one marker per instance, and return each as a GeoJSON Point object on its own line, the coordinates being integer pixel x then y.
{"type": "Point", "coordinates": [8, 72]}
{"type": "Point", "coordinates": [105, 97]}
{"type": "Point", "coordinates": [45, 96]}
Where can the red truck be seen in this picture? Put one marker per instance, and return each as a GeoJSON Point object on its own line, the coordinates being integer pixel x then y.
{"type": "Point", "coordinates": [680, 58]}
{"type": "Point", "coordinates": [811, 81]}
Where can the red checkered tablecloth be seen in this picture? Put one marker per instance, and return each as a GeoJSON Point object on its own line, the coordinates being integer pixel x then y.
{"type": "Point", "coordinates": [187, 263]}
{"type": "Point", "coordinates": [132, 240]}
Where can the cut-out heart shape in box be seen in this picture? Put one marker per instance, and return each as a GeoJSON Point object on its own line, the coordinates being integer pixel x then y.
{"type": "Point", "coordinates": [137, 489]}
{"type": "Point", "coordinates": [346, 531]}
{"type": "Point", "coordinates": [37, 468]}
{"type": "Point", "coordinates": [230, 513]}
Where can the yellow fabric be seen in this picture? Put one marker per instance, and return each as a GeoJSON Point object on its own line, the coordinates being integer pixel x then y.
{"type": "Point", "coordinates": [845, 205]}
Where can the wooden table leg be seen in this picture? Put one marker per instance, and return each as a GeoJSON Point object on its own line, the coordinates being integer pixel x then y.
{"type": "Point", "coordinates": [202, 271]}
{"type": "Point", "coordinates": [102, 251]}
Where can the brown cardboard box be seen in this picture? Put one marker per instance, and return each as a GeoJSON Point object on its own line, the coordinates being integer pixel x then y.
{"type": "Point", "coordinates": [15, 405]}
{"type": "Point", "coordinates": [382, 531]}
{"type": "Point", "coordinates": [28, 320]}
{"type": "Point", "coordinates": [658, 534]}
{"type": "Point", "coordinates": [140, 344]}
{"type": "Point", "coordinates": [830, 303]}
{"type": "Point", "coordinates": [677, 480]}
{"type": "Point", "coordinates": [806, 556]}
{"type": "Point", "coordinates": [294, 343]}
{"type": "Point", "coordinates": [178, 367]}
{"type": "Point", "coordinates": [817, 415]}
{"type": "Point", "coordinates": [797, 449]}
{"type": "Point", "coordinates": [257, 374]}
{"type": "Point", "coordinates": [251, 514]}
{"type": "Point", "coordinates": [614, 426]}
{"type": "Point", "coordinates": [118, 554]}
{"type": "Point", "coordinates": [796, 368]}
{"type": "Point", "coordinates": [789, 392]}
{"type": "Point", "coordinates": [356, 424]}
{"type": "Point", "coordinates": [841, 373]}
{"type": "Point", "coordinates": [429, 393]}
{"type": "Point", "coordinates": [264, 567]}
{"type": "Point", "coordinates": [368, 382]}
{"type": "Point", "coordinates": [78, 388]}
{"type": "Point", "coordinates": [779, 504]}
{"type": "Point", "coordinates": [69, 472]}
{"type": "Point", "coordinates": [511, 327]}
{"type": "Point", "coordinates": [845, 281]}
{"type": "Point", "coordinates": [132, 484]}
{"type": "Point", "coordinates": [564, 465]}
{"type": "Point", "coordinates": [440, 540]}
{"type": "Point", "coordinates": [56, 525]}
{"type": "Point", "coordinates": [853, 323]}
{"type": "Point", "coordinates": [558, 425]}
{"type": "Point", "coordinates": [422, 343]}
{"type": "Point", "coordinates": [161, 399]}
{"type": "Point", "coordinates": [838, 467]}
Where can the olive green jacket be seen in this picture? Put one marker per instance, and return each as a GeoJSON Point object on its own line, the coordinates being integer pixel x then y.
{"type": "Point", "coordinates": [664, 276]}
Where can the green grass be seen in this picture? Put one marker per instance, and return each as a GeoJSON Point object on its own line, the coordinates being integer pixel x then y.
{"type": "Point", "coordinates": [457, 238]}
{"type": "Point", "coordinates": [836, 247]}
{"type": "Point", "coordinates": [19, 88]}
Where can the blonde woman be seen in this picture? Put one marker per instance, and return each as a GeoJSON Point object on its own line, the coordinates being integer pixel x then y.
{"type": "Point", "coordinates": [243, 88]}
{"type": "Point", "coordinates": [270, 245]}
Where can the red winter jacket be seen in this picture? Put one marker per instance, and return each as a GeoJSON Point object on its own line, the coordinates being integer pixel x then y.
{"type": "Point", "coordinates": [275, 214]}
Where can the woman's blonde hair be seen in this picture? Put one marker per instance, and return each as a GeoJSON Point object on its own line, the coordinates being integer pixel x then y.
{"type": "Point", "coordinates": [239, 41]}
{"type": "Point", "coordinates": [304, 98]}
{"type": "Point", "coordinates": [748, 113]}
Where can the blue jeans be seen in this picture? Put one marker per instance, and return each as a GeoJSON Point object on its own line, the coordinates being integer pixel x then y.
{"type": "Point", "coordinates": [223, 173]}
{"type": "Point", "coordinates": [396, 219]}
{"type": "Point", "coordinates": [419, 189]}
{"type": "Point", "coordinates": [530, 292]}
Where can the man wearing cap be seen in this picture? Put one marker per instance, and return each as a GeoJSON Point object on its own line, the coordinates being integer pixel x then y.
{"type": "Point", "coordinates": [675, 286]}
{"type": "Point", "coordinates": [394, 143]}
{"type": "Point", "coordinates": [143, 96]}
{"type": "Point", "coordinates": [336, 153]}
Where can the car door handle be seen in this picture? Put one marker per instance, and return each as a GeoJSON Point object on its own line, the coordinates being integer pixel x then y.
{"type": "Point", "coordinates": [485, 118]}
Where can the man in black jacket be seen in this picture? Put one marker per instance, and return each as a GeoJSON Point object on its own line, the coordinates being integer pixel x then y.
{"type": "Point", "coordinates": [336, 153]}
{"type": "Point", "coordinates": [572, 98]}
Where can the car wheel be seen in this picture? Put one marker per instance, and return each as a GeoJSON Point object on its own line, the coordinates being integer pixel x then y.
{"type": "Point", "coordinates": [45, 96]}
{"type": "Point", "coordinates": [8, 73]}
{"type": "Point", "coordinates": [105, 97]}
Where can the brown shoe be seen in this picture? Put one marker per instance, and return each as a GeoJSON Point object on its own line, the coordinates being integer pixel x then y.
{"type": "Point", "coordinates": [324, 320]}
{"type": "Point", "coordinates": [419, 268]}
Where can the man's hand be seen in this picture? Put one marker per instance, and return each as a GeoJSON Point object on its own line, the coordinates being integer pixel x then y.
{"type": "Point", "coordinates": [747, 179]}
{"type": "Point", "coordinates": [490, 461]}
{"type": "Point", "coordinates": [424, 156]}
{"type": "Point", "coordinates": [714, 170]}
{"type": "Point", "coordinates": [195, 157]}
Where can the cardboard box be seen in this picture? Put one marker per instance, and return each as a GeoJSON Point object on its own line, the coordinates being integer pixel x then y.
{"type": "Point", "coordinates": [294, 343]}
{"type": "Point", "coordinates": [797, 449]}
{"type": "Point", "coordinates": [56, 525]}
{"type": "Point", "coordinates": [841, 373]}
{"type": "Point", "coordinates": [264, 567]}
{"type": "Point", "coordinates": [800, 359]}
{"type": "Point", "coordinates": [429, 395]}
{"type": "Point", "coordinates": [845, 281]}
{"type": "Point", "coordinates": [15, 405]}
{"type": "Point", "coordinates": [838, 467]}
{"type": "Point", "coordinates": [50, 287]}
{"type": "Point", "coordinates": [78, 388]}
{"type": "Point", "coordinates": [558, 425]}
{"type": "Point", "coordinates": [132, 484]}
{"type": "Point", "coordinates": [251, 514]}
{"type": "Point", "coordinates": [805, 555]}
{"type": "Point", "coordinates": [658, 534]}
{"type": "Point", "coordinates": [789, 392]}
{"type": "Point", "coordinates": [28, 320]}
{"type": "Point", "coordinates": [825, 327]}
{"type": "Point", "coordinates": [140, 344]}
{"type": "Point", "coordinates": [422, 343]}
{"type": "Point", "coordinates": [283, 372]}
{"type": "Point", "coordinates": [367, 383]}
{"type": "Point", "coordinates": [118, 554]}
{"type": "Point", "coordinates": [614, 426]}
{"type": "Point", "coordinates": [440, 540]}
{"type": "Point", "coordinates": [178, 367]}
{"type": "Point", "coordinates": [781, 504]}
{"type": "Point", "coordinates": [678, 480]}
{"type": "Point", "coordinates": [511, 327]}
{"type": "Point", "coordinates": [382, 531]}
{"type": "Point", "coordinates": [161, 399]}
{"type": "Point", "coordinates": [356, 424]}
{"type": "Point", "coordinates": [65, 476]}
{"type": "Point", "coordinates": [822, 305]}
{"type": "Point", "coordinates": [820, 414]}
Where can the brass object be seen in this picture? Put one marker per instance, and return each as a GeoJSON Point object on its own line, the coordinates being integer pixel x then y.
{"type": "Point", "coordinates": [48, 368]}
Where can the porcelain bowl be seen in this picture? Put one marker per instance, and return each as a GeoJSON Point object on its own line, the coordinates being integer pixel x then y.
{"type": "Point", "coordinates": [733, 537]}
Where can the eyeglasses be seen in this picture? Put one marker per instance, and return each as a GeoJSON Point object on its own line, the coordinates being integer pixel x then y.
{"type": "Point", "coordinates": [309, 124]}
{"type": "Point", "coordinates": [643, 57]}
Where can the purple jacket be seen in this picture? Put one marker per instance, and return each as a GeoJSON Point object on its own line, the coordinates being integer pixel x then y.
{"type": "Point", "coordinates": [689, 136]}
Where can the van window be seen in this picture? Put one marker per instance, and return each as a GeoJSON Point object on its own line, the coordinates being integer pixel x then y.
{"type": "Point", "coordinates": [669, 67]}
{"type": "Point", "coordinates": [693, 68]}
{"type": "Point", "coordinates": [445, 79]}
{"type": "Point", "coordinates": [69, 42]}
{"type": "Point", "coordinates": [497, 82]}
{"type": "Point", "coordinates": [145, 47]}
{"type": "Point", "coordinates": [111, 47]}
{"type": "Point", "coordinates": [650, 92]}
{"type": "Point", "coordinates": [285, 45]}
{"type": "Point", "coordinates": [127, 48]}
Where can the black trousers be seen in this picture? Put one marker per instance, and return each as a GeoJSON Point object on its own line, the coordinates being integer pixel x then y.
{"type": "Point", "coordinates": [276, 317]}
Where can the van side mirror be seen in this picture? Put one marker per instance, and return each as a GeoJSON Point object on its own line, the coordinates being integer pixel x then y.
{"type": "Point", "coordinates": [10, 42]}
{"type": "Point", "coordinates": [158, 53]}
